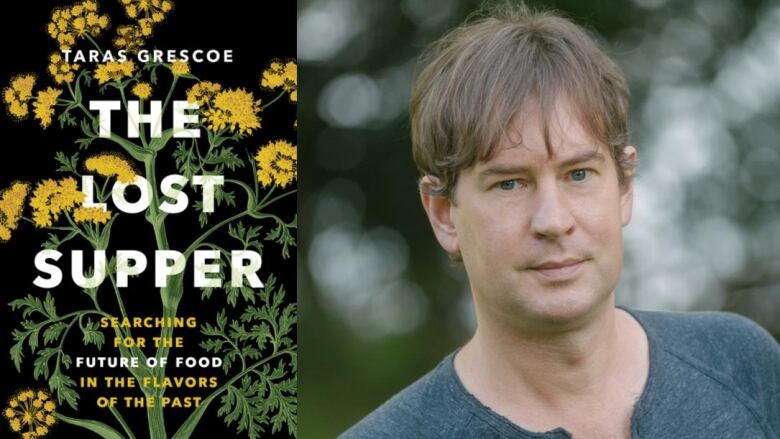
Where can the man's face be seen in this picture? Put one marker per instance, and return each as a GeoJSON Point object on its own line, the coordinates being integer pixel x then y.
{"type": "Point", "coordinates": [541, 235]}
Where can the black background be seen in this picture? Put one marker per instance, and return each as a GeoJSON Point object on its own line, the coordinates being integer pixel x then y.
{"type": "Point", "coordinates": [256, 36]}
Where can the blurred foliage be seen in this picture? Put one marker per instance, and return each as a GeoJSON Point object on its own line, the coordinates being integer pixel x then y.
{"type": "Point", "coordinates": [380, 303]}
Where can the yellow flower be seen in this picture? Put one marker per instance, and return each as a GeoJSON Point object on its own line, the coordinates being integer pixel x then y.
{"type": "Point", "coordinates": [146, 26]}
{"type": "Point", "coordinates": [179, 68]}
{"type": "Point", "coordinates": [94, 215]}
{"type": "Point", "coordinates": [76, 21]}
{"type": "Point", "coordinates": [203, 93]}
{"type": "Point", "coordinates": [43, 107]}
{"type": "Point", "coordinates": [277, 163]}
{"type": "Point", "coordinates": [111, 164]}
{"type": "Point", "coordinates": [26, 417]}
{"type": "Point", "coordinates": [50, 198]}
{"type": "Point", "coordinates": [130, 38]}
{"type": "Point", "coordinates": [49, 406]}
{"type": "Point", "coordinates": [114, 71]}
{"type": "Point", "coordinates": [11, 207]}
{"type": "Point", "coordinates": [234, 109]}
{"type": "Point", "coordinates": [18, 94]}
{"type": "Point", "coordinates": [282, 74]}
{"type": "Point", "coordinates": [152, 10]}
{"type": "Point", "coordinates": [61, 71]}
{"type": "Point", "coordinates": [143, 90]}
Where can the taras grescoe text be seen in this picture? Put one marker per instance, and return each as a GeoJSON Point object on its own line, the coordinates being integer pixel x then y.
{"type": "Point", "coordinates": [244, 263]}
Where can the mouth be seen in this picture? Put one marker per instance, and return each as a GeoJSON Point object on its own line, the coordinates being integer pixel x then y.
{"type": "Point", "coordinates": [558, 270]}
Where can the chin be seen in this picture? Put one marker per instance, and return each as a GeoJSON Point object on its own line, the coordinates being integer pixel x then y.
{"type": "Point", "coordinates": [564, 308]}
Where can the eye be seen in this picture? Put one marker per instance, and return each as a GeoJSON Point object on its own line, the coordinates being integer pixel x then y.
{"type": "Point", "coordinates": [580, 174]}
{"type": "Point", "coordinates": [507, 185]}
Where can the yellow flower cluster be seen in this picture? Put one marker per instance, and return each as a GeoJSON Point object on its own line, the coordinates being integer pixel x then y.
{"type": "Point", "coordinates": [18, 94]}
{"type": "Point", "coordinates": [282, 74]}
{"type": "Point", "coordinates": [203, 93]}
{"type": "Point", "coordinates": [114, 71]}
{"type": "Point", "coordinates": [146, 13]}
{"type": "Point", "coordinates": [131, 37]}
{"type": "Point", "coordinates": [151, 10]}
{"type": "Point", "coordinates": [61, 71]}
{"type": "Point", "coordinates": [43, 107]}
{"type": "Point", "coordinates": [143, 90]}
{"type": "Point", "coordinates": [69, 23]}
{"type": "Point", "coordinates": [31, 413]}
{"type": "Point", "coordinates": [235, 109]}
{"type": "Point", "coordinates": [50, 198]}
{"type": "Point", "coordinates": [180, 68]}
{"type": "Point", "coordinates": [11, 207]}
{"type": "Point", "coordinates": [277, 163]}
{"type": "Point", "coordinates": [94, 215]}
{"type": "Point", "coordinates": [110, 164]}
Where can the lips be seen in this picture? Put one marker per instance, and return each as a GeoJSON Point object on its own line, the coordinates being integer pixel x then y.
{"type": "Point", "coordinates": [558, 270]}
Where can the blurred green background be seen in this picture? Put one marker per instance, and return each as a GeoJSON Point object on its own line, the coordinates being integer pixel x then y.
{"type": "Point", "coordinates": [380, 304]}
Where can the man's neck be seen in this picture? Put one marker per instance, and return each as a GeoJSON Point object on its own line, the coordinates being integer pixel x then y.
{"type": "Point", "coordinates": [555, 372]}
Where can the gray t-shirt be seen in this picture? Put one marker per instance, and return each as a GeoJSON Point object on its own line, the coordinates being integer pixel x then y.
{"type": "Point", "coordinates": [712, 375]}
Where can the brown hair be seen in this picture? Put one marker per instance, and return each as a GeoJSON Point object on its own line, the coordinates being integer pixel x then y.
{"type": "Point", "coordinates": [481, 74]}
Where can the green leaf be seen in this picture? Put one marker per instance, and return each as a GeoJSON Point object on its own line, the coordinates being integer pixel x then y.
{"type": "Point", "coordinates": [88, 130]}
{"type": "Point", "coordinates": [92, 335]}
{"type": "Point", "coordinates": [17, 354]}
{"type": "Point", "coordinates": [99, 428]}
{"type": "Point", "coordinates": [67, 164]}
{"type": "Point", "coordinates": [54, 241]}
{"type": "Point", "coordinates": [159, 143]}
{"type": "Point", "coordinates": [63, 386]}
{"type": "Point", "coordinates": [53, 332]}
{"type": "Point", "coordinates": [224, 158]}
{"type": "Point", "coordinates": [186, 159]}
{"type": "Point", "coordinates": [48, 306]}
{"type": "Point", "coordinates": [282, 236]}
{"type": "Point", "coordinates": [41, 364]}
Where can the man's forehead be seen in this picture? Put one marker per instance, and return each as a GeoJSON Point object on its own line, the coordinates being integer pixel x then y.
{"type": "Point", "coordinates": [562, 151]}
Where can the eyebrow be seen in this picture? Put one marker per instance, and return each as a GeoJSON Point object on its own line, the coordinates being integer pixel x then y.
{"type": "Point", "coordinates": [520, 169]}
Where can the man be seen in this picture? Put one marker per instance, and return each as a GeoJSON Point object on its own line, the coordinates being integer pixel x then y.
{"type": "Point", "coordinates": [520, 130]}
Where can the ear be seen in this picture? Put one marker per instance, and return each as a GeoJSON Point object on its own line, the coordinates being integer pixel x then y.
{"type": "Point", "coordinates": [627, 188]}
{"type": "Point", "coordinates": [439, 209]}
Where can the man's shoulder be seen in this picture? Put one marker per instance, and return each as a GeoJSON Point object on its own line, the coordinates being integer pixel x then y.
{"type": "Point", "coordinates": [729, 348]}
{"type": "Point", "coordinates": [730, 352]}
{"type": "Point", "coordinates": [707, 334]}
{"type": "Point", "coordinates": [426, 408]}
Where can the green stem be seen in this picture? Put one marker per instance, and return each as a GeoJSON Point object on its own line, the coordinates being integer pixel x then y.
{"type": "Point", "coordinates": [250, 193]}
{"type": "Point", "coordinates": [94, 43]}
{"type": "Point", "coordinates": [272, 101]}
{"type": "Point", "coordinates": [122, 422]}
{"type": "Point", "coordinates": [170, 94]}
{"type": "Point", "coordinates": [156, 420]}
{"type": "Point", "coordinates": [213, 229]}
{"type": "Point", "coordinates": [275, 199]}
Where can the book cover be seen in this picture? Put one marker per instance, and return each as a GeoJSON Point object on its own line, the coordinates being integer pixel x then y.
{"type": "Point", "coordinates": [148, 220]}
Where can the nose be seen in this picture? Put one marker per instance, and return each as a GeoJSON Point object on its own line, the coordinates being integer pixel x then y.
{"type": "Point", "coordinates": [551, 217]}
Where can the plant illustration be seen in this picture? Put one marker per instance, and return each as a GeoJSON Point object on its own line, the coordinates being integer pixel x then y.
{"type": "Point", "coordinates": [252, 329]}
